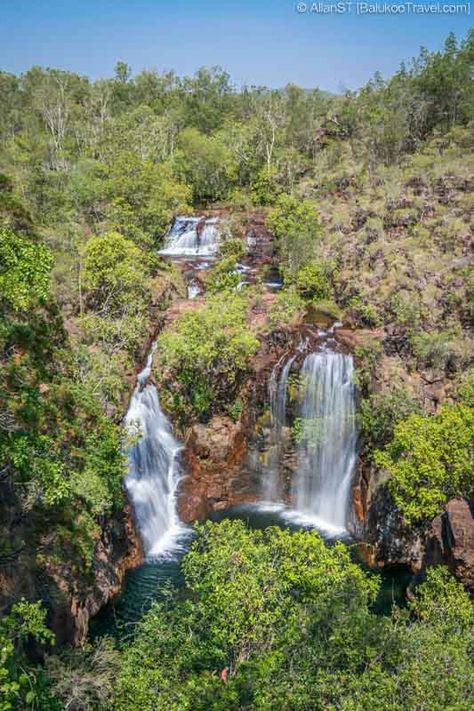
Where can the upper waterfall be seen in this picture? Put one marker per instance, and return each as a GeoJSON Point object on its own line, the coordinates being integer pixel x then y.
{"type": "Point", "coordinates": [192, 236]}
{"type": "Point", "coordinates": [154, 470]}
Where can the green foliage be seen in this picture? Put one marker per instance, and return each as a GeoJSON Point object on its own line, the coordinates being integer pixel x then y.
{"type": "Point", "coordinates": [296, 226]}
{"type": "Point", "coordinates": [314, 280]}
{"type": "Point", "coordinates": [20, 684]}
{"type": "Point", "coordinates": [380, 413]}
{"type": "Point", "coordinates": [144, 195]}
{"type": "Point", "coordinates": [278, 620]}
{"type": "Point", "coordinates": [442, 350]}
{"type": "Point", "coordinates": [440, 599]}
{"type": "Point", "coordinates": [368, 356]}
{"type": "Point", "coordinates": [115, 273]}
{"type": "Point", "coordinates": [327, 309]}
{"type": "Point", "coordinates": [206, 353]}
{"type": "Point", "coordinates": [366, 315]}
{"type": "Point", "coordinates": [224, 276]}
{"type": "Point", "coordinates": [265, 187]}
{"type": "Point", "coordinates": [245, 590]}
{"type": "Point", "coordinates": [204, 161]}
{"type": "Point", "coordinates": [287, 308]}
{"type": "Point", "coordinates": [24, 271]}
{"type": "Point", "coordinates": [232, 247]}
{"type": "Point", "coordinates": [465, 390]}
{"type": "Point", "coordinates": [430, 460]}
{"type": "Point", "coordinates": [236, 409]}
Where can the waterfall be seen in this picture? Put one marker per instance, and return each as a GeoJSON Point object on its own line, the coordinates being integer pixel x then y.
{"type": "Point", "coordinates": [154, 470]}
{"type": "Point", "coordinates": [325, 430]}
{"type": "Point", "coordinates": [192, 236]}
{"type": "Point", "coordinates": [278, 395]}
{"type": "Point", "coordinates": [327, 439]}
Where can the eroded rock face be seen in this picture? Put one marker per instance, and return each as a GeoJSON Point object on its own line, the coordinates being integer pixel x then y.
{"type": "Point", "coordinates": [450, 540]}
{"type": "Point", "coordinates": [214, 482]}
{"type": "Point", "coordinates": [447, 540]}
{"type": "Point", "coordinates": [78, 598]}
{"type": "Point", "coordinates": [390, 540]}
{"type": "Point", "coordinates": [73, 597]}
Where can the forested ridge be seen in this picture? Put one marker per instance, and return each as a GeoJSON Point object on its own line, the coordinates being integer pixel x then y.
{"type": "Point", "coordinates": [369, 197]}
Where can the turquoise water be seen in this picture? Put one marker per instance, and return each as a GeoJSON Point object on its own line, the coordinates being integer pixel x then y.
{"type": "Point", "coordinates": [144, 585]}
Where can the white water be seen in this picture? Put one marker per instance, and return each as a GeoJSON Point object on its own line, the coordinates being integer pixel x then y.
{"type": "Point", "coordinates": [192, 236]}
{"type": "Point", "coordinates": [278, 394]}
{"type": "Point", "coordinates": [327, 450]}
{"type": "Point", "coordinates": [154, 471]}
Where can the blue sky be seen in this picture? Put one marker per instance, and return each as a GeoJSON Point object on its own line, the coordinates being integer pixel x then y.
{"type": "Point", "coordinates": [257, 41]}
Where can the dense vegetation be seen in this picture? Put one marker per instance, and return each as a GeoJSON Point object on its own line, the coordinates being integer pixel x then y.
{"type": "Point", "coordinates": [208, 351]}
{"type": "Point", "coordinates": [277, 620]}
{"type": "Point", "coordinates": [369, 196]}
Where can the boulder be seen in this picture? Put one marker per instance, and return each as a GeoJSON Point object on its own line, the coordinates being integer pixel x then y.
{"type": "Point", "coordinates": [450, 540]}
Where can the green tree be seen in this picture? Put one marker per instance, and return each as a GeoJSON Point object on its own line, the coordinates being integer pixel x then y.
{"type": "Point", "coordinates": [116, 273]}
{"type": "Point", "coordinates": [204, 163]}
{"type": "Point", "coordinates": [297, 229]}
{"type": "Point", "coordinates": [25, 268]}
{"type": "Point", "coordinates": [276, 619]}
{"type": "Point", "coordinates": [430, 460]}
{"type": "Point", "coordinates": [21, 683]}
{"type": "Point", "coordinates": [206, 354]}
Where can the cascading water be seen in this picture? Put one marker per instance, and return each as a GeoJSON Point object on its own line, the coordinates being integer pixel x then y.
{"type": "Point", "coordinates": [326, 442]}
{"type": "Point", "coordinates": [154, 470]}
{"type": "Point", "coordinates": [278, 395]}
{"type": "Point", "coordinates": [192, 236]}
{"type": "Point", "coordinates": [327, 439]}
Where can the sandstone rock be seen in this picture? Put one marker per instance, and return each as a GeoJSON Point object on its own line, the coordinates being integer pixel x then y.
{"type": "Point", "coordinates": [79, 598]}
{"type": "Point", "coordinates": [450, 540]}
{"type": "Point", "coordinates": [214, 455]}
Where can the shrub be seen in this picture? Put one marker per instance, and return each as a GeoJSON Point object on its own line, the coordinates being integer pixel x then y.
{"type": "Point", "coordinates": [297, 229]}
{"type": "Point", "coordinates": [265, 187]}
{"type": "Point", "coordinates": [314, 280]}
{"type": "Point", "coordinates": [365, 314]}
{"type": "Point", "coordinates": [430, 460]}
{"type": "Point", "coordinates": [440, 350]}
{"type": "Point", "coordinates": [20, 684]}
{"type": "Point", "coordinates": [465, 389]}
{"type": "Point", "coordinates": [232, 247]}
{"type": "Point", "coordinates": [328, 309]}
{"type": "Point", "coordinates": [207, 352]}
{"type": "Point", "coordinates": [224, 276]}
{"type": "Point", "coordinates": [24, 271]}
{"type": "Point", "coordinates": [115, 273]}
{"type": "Point", "coordinates": [286, 309]}
{"type": "Point", "coordinates": [368, 356]}
{"type": "Point", "coordinates": [380, 413]}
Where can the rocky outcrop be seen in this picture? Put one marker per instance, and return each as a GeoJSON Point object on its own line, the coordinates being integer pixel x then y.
{"type": "Point", "coordinates": [390, 541]}
{"type": "Point", "coordinates": [447, 540]}
{"type": "Point", "coordinates": [214, 455]}
{"type": "Point", "coordinates": [71, 595]}
{"type": "Point", "coordinates": [450, 540]}
{"type": "Point", "coordinates": [77, 597]}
